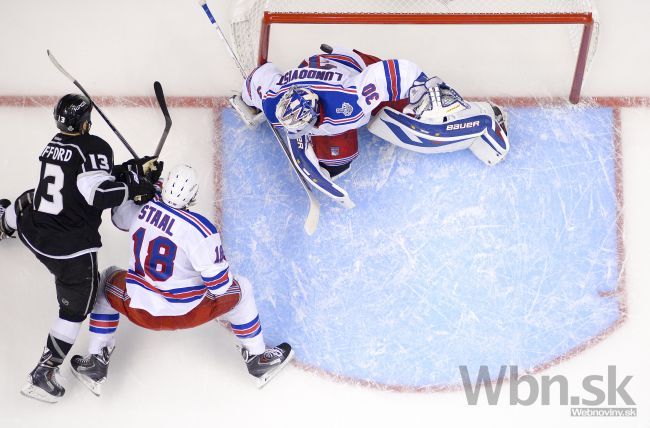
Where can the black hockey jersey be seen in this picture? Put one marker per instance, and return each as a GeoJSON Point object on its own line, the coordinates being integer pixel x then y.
{"type": "Point", "coordinates": [64, 219]}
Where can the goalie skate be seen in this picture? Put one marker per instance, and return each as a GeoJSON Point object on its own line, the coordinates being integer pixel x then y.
{"type": "Point", "coordinates": [250, 115]}
{"type": "Point", "coordinates": [501, 117]}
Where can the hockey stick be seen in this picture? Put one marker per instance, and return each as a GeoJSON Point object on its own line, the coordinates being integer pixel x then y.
{"type": "Point", "coordinates": [314, 206]}
{"type": "Point", "coordinates": [160, 96]}
{"type": "Point", "coordinates": [101, 113]}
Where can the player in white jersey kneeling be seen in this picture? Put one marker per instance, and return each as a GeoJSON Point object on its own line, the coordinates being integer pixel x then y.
{"type": "Point", "coordinates": [321, 103]}
{"type": "Point", "coordinates": [178, 278]}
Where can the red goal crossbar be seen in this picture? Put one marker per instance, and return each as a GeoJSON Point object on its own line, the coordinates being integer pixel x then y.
{"type": "Point", "coordinates": [584, 19]}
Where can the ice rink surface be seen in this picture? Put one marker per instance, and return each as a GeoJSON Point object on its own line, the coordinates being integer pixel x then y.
{"type": "Point", "coordinates": [540, 261]}
{"type": "Point", "coordinates": [434, 244]}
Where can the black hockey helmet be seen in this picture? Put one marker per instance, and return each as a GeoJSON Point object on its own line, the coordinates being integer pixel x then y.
{"type": "Point", "coordinates": [71, 112]}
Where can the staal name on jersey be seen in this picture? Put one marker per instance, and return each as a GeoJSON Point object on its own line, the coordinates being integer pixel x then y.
{"type": "Point", "coordinates": [157, 218]}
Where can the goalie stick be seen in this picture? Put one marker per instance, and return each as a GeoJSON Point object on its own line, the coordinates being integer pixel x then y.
{"type": "Point", "coordinates": [314, 207]}
{"type": "Point", "coordinates": [101, 113]}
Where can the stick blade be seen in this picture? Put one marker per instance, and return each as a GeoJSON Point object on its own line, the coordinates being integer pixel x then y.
{"type": "Point", "coordinates": [59, 67]}
{"type": "Point", "coordinates": [160, 96]}
{"type": "Point", "coordinates": [311, 223]}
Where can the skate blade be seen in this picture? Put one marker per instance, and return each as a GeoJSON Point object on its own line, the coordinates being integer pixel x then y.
{"type": "Point", "coordinates": [94, 386]}
{"type": "Point", "coordinates": [37, 393]}
{"type": "Point", "coordinates": [263, 380]}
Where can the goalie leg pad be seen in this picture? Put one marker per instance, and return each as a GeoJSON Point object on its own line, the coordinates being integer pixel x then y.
{"type": "Point", "coordinates": [419, 136]}
{"type": "Point", "coordinates": [475, 128]}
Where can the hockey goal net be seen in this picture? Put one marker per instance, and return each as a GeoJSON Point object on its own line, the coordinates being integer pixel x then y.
{"type": "Point", "coordinates": [252, 22]}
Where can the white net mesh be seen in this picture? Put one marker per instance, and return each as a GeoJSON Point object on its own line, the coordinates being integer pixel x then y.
{"type": "Point", "coordinates": [247, 15]}
{"type": "Point", "coordinates": [427, 6]}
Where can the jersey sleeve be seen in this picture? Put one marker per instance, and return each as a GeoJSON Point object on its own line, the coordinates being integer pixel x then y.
{"type": "Point", "coordinates": [258, 83]}
{"type": "Point", "coordinates": [339, 56]}
{"type": "Point", "coordinates": [207, 258]}
{"type": "Point", "coordinates": [95, 182]}
{"type": "Point", "coordinates": [388, 80]}
{"type": "Point", "coordinates": [98, 155]}
{"type": "Point", "coordinates": [124, 215]}
{"type": "Point", "coordinates": [100, 189]}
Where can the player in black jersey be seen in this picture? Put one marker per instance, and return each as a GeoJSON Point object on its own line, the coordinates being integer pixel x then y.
{"type": "Point", "coordinates": [59, 222]}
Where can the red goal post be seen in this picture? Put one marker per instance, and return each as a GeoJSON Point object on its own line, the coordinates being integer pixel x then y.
{"type": "Point", "coordinates": [252, 21]}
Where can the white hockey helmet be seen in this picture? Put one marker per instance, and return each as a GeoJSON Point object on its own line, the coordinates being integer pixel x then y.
{"type": "Point", "coordinates": [180, 188]}
{"type": "Point", "coordinates": [297, 110]}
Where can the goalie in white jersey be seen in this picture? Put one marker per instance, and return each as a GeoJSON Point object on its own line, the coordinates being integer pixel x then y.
{"type": "Point", "coordinates": [178, 278]}
{"type": "Point", "coordinates": [321, 103]}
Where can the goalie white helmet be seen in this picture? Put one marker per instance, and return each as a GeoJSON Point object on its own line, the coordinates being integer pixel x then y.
{"type": "Point", "coordinates": [297, 110]}
{"type": "Point", "coordinates": [180, 188]}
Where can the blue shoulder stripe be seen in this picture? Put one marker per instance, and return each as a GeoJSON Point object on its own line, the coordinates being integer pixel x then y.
{"type": "Point", "coordinates": [389, 86]}
{"type": "Point", "coordinates": [347, 63]}
{"type": "Point", "coordinates": [180, 216]}
{"type": "Point", "coordinates": [207, 223]}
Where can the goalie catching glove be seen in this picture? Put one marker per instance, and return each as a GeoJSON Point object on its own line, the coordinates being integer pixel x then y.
{"type": "Point", "coordinates": [433, 99]}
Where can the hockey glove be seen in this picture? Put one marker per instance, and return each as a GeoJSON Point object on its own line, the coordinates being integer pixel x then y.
{"type": "Point", "coordinates": [420, 99]}
{"type": "Point", "coordinates": [155, 171]}
{"type": "Point", "coordinates": [139, 166]}
{"type": "Point", "coordinates": [433, 99]}
{"type": "Point", "coordinates": [141, 190]}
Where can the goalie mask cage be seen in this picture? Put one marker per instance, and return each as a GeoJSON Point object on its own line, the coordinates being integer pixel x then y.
{"type": "Point", "coordinates": [252, 21]}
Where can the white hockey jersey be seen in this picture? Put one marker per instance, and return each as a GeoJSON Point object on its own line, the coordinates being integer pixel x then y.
{"type": "Point", "coordinates": [348, 90]}
{"type": "Point", "coordinates": [177, 258]}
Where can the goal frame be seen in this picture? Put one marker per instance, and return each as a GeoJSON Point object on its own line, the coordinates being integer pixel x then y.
{"type": "Point", "coordinates": [586, 19]}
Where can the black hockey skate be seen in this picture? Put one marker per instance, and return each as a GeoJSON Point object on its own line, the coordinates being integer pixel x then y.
{"type": "Point", "coordinates": [92, 369]}
{"type": "Point", "coordinates": [5, 232]}
{"type": "Point", "coordinates": [501, 117]}
{"type": "Point", "coordinates": [265, 366]}
{"type": "Point", "coordinates": [42, 383]}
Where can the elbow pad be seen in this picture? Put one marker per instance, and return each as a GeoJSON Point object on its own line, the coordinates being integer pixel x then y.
{"type": "Point", "coordinates": [110, 194]}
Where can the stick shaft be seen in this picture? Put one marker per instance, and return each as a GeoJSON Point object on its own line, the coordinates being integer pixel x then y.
{"type": "Point", "coordinates": [314, 207]}
{"type": "Point", "coordinates": [216, 25]}
{"type": "Point", "coordinates": [99, 110]}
